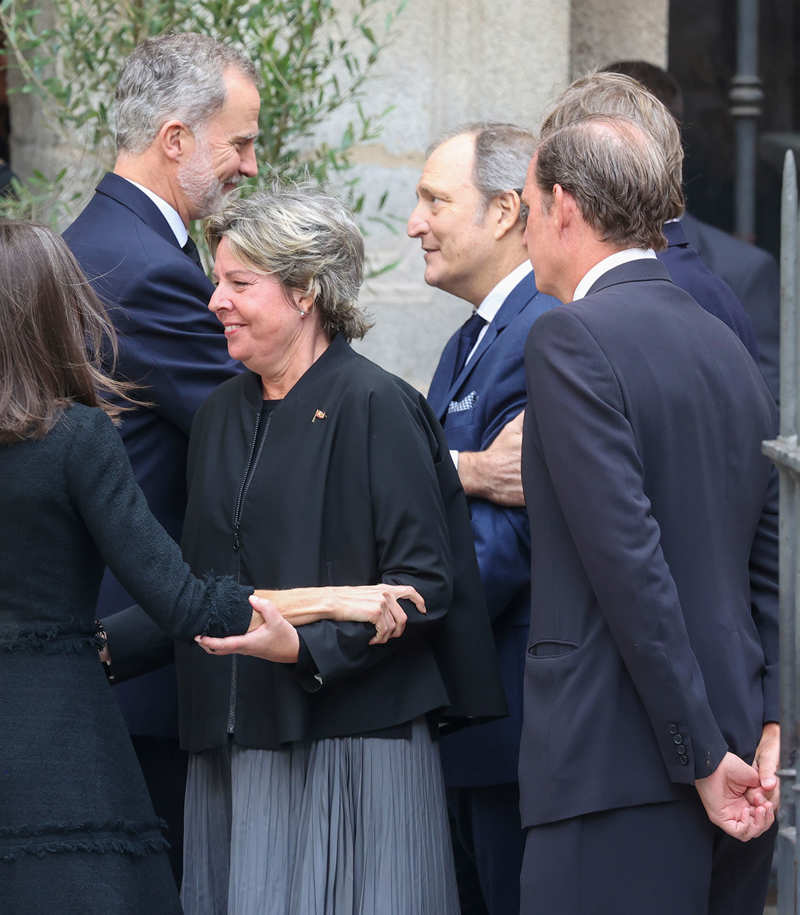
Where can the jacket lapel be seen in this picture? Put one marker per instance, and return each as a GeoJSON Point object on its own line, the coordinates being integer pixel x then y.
{"type": "Point", "coordinates": [440, 383]}
{"type": "Point", "coordinates": [520, 296]}
{"type": "Point", "coordinates": [129, 196]}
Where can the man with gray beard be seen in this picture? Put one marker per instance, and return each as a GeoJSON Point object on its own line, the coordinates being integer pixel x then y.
{"type": "Point", "coordinates": [186, 120]}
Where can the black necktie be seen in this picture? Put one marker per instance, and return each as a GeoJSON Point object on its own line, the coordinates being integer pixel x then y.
{"type": "Point", "coordinates": [466, 340]}
{"type": "Point", "coordinates": [190, 249]}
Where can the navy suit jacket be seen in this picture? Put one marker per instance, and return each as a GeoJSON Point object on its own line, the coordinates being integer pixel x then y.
{"type": "Point", "coordinates": [172, 346]}
{"type": "Point", "coordinates": [753, 276]}
{"type": "Point", "coordinates": [473, 408]}
{"type": "Point", "coordinates": [653, 644]}
{"type": "Point", "coordinates": [688, 270]}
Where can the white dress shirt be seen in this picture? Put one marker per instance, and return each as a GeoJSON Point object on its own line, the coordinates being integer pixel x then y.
{"type": "Point", "coordinates": [608, 263]}
{"type": "Point", "coordinates": [169, 212]}
{"type": "Point", "coordinates": [489, 308]}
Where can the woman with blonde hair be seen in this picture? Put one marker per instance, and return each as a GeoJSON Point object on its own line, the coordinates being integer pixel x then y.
{"type": "Point", "coordinates": [314, 778]}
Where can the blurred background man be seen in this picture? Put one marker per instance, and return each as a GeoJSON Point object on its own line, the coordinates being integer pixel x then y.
{"type": "Point", "coordinates": [750, 272]}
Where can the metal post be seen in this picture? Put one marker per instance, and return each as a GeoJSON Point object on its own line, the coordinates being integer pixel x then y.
{"type": "Point", "coordinates": [745, 98]}
{"type": "Point", "coordinates": [786, 454]}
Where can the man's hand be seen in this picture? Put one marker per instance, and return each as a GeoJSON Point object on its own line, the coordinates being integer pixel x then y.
{"type": "Point", "coordinates": [274, 640]}
{"type": "Point", "coordinates": [766, 762]}
{"type": "Point", "coordinates": [496, 473]}
{"type": "Point", "coordinates": [724, 795]}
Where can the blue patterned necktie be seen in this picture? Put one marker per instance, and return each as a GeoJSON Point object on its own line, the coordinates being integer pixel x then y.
{"type": "Point", "coordinates": [466, 340]}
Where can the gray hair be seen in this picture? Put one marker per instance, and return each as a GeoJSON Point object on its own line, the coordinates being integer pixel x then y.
{"type": "Point", "coordinates": [502, 155]}
{"type": "Point", "coordinates": [655, 79]}
{"type": "Point", "coordinates": [172, 76]}
{"type": "Point", "coordinates": [617, 174]}
{"type": "Point", "coordinates": [616, 94]}
{"type": "Point", "coordinates": [308, 241]}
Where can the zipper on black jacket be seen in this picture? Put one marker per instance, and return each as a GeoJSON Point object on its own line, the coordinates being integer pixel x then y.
{"type": "Point", "coordinates": [237, 518]}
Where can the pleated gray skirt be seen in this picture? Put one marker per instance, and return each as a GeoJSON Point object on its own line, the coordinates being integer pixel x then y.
{"type": "Point", "coordinates": [341, 826]}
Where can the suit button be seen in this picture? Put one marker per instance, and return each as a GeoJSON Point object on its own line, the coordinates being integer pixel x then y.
{"type": "Point", "coordinates": [677, 739]}
{"type": "Point", "coordinates": [681, 751]}
{"type": "Point", "coordinates": [684, 760]}
{"type": "Point", "coordinates": [673, 729]}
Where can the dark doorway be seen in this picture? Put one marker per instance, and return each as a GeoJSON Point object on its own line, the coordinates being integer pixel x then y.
{"type": "Point", "coordinates": [702, 56]}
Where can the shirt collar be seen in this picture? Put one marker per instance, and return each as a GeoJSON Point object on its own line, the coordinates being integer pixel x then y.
{"type": "Point", "coordinates": [169, 213]}
{"type": "Point", "coordinates": [608, 263]}
{"type": "Point", "coordinates": [492, 303]}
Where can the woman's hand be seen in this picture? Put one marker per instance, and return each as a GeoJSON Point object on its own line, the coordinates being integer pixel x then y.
{"type": "Point", "coordinates": [376, 604]}
{"type": "Point", "coordinates": [272, 638]}
{"type": "Point", "coordinates": [256, 619]}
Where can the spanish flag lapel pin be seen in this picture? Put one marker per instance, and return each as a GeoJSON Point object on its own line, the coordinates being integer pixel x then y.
{"type": "Point", "coordinates": [319, 415]}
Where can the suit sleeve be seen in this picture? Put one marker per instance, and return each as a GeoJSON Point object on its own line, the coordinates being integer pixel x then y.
{"type": "Point", "coordinates": [502, 535]}
{"type": "Point", "coordinates": [411, 538]}
{"type": "Point", "coordinates": [169, 342]}
{"type": "Point", "coordinates": [764, 596]}
{"type": "Point", "coordinates": [141, 554]}
{"type": "Point", "coordinates": [591, 455]}
{"type": "Point", "coordinates": [760, 293]}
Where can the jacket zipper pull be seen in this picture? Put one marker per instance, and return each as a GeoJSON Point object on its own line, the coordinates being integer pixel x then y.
{"type": "Point", "coordinates": [236, 540]}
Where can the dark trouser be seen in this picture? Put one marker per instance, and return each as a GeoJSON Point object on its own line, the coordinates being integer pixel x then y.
{"type": "Point", "coordinates": [164, 766]}
{"type": "Point", "coordinates": [488, 843]}
{"type": "Point", "coordinates": [657, 859]}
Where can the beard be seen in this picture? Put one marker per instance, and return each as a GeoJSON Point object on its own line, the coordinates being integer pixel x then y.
{"type": "Point", "coordinates": [202, 187]}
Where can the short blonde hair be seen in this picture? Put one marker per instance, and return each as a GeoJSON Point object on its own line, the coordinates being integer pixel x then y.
{"type": "Point", "coordinates": [307, 240]}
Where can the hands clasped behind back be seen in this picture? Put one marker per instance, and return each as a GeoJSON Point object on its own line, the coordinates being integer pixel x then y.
{"type": "Point", "coordinates": [734, 801]}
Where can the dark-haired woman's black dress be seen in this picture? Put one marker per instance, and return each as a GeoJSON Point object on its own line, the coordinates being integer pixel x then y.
{"type": "Point", "coordinates": [77, 830]}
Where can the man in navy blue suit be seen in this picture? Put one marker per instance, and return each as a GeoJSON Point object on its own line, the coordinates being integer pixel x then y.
{"type": "Point", "coordinates": [470, 223]}
{"type": "Point", "coordinates": [186, 119]}
{"type": "Point", "coordinates": [650, 735]}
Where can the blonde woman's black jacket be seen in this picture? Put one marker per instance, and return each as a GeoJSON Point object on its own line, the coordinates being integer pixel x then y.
{"type": "Point", "coordinates": [350, 482]}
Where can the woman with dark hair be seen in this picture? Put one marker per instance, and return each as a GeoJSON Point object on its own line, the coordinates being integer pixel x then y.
{"type": "Point", "coordinates": [314, 783]}
{"type": "Point", "coordinates": [77, 830]}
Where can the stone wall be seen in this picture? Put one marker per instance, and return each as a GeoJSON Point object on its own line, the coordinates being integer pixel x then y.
{"type": "Point", "coordinates": [607, 30]}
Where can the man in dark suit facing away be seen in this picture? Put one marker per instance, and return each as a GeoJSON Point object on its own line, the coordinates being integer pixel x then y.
{"type": "Point", "coordinates": [750, 272]}
{"type": "Point", "coordinates": [615, 93]}
{"type": "Point", "coordinates": [650, 742]}
{"type": "Point", "coordinates": [186, 119]}
{"type": "Point", "coordinates": [470, 224]}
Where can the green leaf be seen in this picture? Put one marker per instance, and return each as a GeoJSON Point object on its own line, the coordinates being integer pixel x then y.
{"type": "Point", "coordinates": [313, 57]}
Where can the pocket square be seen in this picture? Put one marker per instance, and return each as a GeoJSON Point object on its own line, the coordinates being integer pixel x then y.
{"type": "Point", "coordinates": [466, 403]}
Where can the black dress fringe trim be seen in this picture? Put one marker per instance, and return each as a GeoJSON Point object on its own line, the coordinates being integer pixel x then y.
{"type": "Point", "coordinates": [118, 837]}
{"type": "Point", "coordinates": [56, 638]}
{"type": "Point", "coordinates": [224, 600]}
